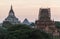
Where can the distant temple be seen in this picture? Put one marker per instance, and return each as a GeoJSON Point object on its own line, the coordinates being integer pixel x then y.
{"type": "Point", "coordinates": [45, 23]}
{"type": "Point", "coordinates": [11, 17]}
{"type": "Point", "coordinates": [26, 21]}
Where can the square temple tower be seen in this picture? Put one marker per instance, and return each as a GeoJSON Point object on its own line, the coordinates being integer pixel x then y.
{"type": "Point", "coordinates": [45, 23]}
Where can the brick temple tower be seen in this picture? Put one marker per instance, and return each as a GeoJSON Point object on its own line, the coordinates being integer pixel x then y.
{"type": "Point", "coordinates": [45, 23]}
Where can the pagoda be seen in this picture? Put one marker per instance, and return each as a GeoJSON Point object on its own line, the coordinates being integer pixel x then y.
{"type": "Point", "coordinates": [45, 23]}
{"type": "Point", "coordinates": [26, 21]}
{"type": "Point", "coordinates": [11, 17]}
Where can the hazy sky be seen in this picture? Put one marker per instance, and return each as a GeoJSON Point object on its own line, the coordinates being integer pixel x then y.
{"type": "Point", "coordinates": [29, 8]}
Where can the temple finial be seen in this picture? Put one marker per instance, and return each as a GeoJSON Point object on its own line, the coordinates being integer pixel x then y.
{"type": "Point", "coordinates": [11, 6]}
{"type": "Point", "coordinates": [11, 9]}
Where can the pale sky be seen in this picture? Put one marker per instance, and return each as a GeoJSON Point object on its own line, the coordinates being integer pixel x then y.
{"type": "Point", "coordinates": [29, 8]}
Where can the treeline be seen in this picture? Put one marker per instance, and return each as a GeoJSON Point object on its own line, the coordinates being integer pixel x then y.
{"type": "Point", "coordinates": [21, 31]}
{"type": "Point", "coordinates": [57, 23]}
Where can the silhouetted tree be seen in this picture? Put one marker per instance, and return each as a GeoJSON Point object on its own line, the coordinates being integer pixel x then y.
{"type": "Point", "coordinates": [6, 24]}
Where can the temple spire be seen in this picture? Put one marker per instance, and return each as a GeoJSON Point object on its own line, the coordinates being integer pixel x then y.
{"type": "Point", "coordinates": [11, 10]}
{"type": "Point", "coordinates": [11, 7]}
{"type": "Point", "coordinates": [11, 17]}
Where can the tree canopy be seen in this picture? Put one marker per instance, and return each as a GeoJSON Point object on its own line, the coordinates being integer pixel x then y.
{"type": "Point", "coordinates": [22, 31]}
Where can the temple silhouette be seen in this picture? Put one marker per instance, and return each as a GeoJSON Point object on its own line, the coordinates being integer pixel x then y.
{"type": "Point", "coordinates": [12, 18]}
{"type": "Point", "coordinates": [45, 23]}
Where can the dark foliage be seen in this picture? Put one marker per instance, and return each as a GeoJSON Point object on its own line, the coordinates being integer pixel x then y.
{"type": "Point", "coordinates": [57, 23]}
{"type": "Point", "coordinates": [6, 24]}
{"type": "Point", "coordinates": [22, 31]}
